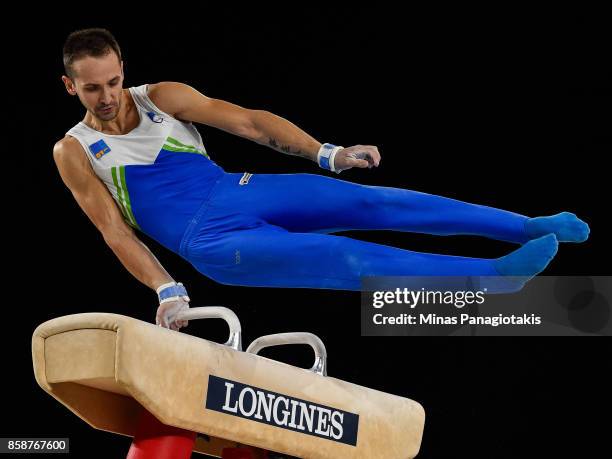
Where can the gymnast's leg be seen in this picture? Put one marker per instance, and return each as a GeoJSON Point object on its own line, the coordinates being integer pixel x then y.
{"type": "Point", "coordinates": [315, 203]}
{"type": "Point", "coordinates": [265, 255]}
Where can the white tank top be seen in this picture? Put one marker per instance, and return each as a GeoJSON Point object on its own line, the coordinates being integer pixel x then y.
{"type": "Point", "coordinates": [159, 173]}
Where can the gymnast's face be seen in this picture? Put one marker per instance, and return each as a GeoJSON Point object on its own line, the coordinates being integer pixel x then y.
{"type": "Point", "coordinates": [98, 81]}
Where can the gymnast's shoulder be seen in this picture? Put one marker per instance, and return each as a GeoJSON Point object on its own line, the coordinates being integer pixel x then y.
{"type": "Point", "coordinates": [66, 148]}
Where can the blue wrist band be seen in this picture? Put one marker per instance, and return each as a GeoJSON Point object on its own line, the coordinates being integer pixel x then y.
{"type": "Point", "coordinates": [173, 291]}
{"type": "Point", "coordinates": [326, 155]}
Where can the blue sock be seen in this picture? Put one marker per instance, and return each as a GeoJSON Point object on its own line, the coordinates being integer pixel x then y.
{"type": "Point", "coordinates": [530, 259]}
{"type": "Point", "coordinates": [566, 226]}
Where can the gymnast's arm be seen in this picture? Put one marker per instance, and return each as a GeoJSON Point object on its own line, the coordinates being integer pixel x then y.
{"type": "Point", "coordinates": [187, 104]}
{"type": "Point", "coordinates": [97, 203]}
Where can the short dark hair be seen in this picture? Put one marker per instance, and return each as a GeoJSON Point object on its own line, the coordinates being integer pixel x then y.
{"type": "Point", "coordinates": [88, 42]}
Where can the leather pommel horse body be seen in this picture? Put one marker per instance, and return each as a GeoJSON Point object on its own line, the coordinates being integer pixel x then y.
{"type": "Point", "coordinates": [106, 368]}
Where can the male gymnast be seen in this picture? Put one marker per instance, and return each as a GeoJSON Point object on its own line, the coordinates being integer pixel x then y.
{"type": "Point", "coordinates": [136, 161]}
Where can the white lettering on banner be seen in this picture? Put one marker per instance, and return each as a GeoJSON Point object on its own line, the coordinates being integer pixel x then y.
{"type": "Point", "coordinates": [283, 411]}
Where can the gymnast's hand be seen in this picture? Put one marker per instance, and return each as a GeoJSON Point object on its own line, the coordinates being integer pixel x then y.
{"type": "Point", "coordinates": [358, 156]}
{"type": "Point", "coordinates": [166, 314]}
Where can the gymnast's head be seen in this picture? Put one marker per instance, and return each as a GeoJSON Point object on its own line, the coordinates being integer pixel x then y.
{"type": "Point", "coordinates": [94, 71]}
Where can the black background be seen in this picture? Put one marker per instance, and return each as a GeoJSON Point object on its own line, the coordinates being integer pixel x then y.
{"type": "Point", "coordinates": [504, 108]}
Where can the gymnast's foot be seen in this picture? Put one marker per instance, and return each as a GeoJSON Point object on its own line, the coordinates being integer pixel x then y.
{"type": "Point", "coordinates": [566, 226]}
{"type": "Point", "coordinates": [530, 259]}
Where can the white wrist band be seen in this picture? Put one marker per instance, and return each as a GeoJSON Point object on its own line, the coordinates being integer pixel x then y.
{"type": "Point", "coordinates": [171, 291]}
{"type": "Point", "coordinates": [327, 155]}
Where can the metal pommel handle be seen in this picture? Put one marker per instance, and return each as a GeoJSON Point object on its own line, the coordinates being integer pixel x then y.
{"type": "Point", "coordinates": [217, 312]}
{"type": "Point", "coordinates": [279, 339]}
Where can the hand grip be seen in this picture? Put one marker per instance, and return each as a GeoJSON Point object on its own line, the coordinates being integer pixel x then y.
{"type": "Point", "coordinates": [279, 339]}
{"type": "Point", "coordinates": [217, 312]}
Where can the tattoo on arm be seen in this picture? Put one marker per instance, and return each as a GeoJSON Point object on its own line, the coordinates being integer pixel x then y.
{"type": "Point", "coordinates": [284, 148]}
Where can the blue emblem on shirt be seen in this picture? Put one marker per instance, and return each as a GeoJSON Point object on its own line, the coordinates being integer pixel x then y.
{"type": "Point", "coordinates": [155, 117]}
{"type": "Point", "coordinates": [99, 149]}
